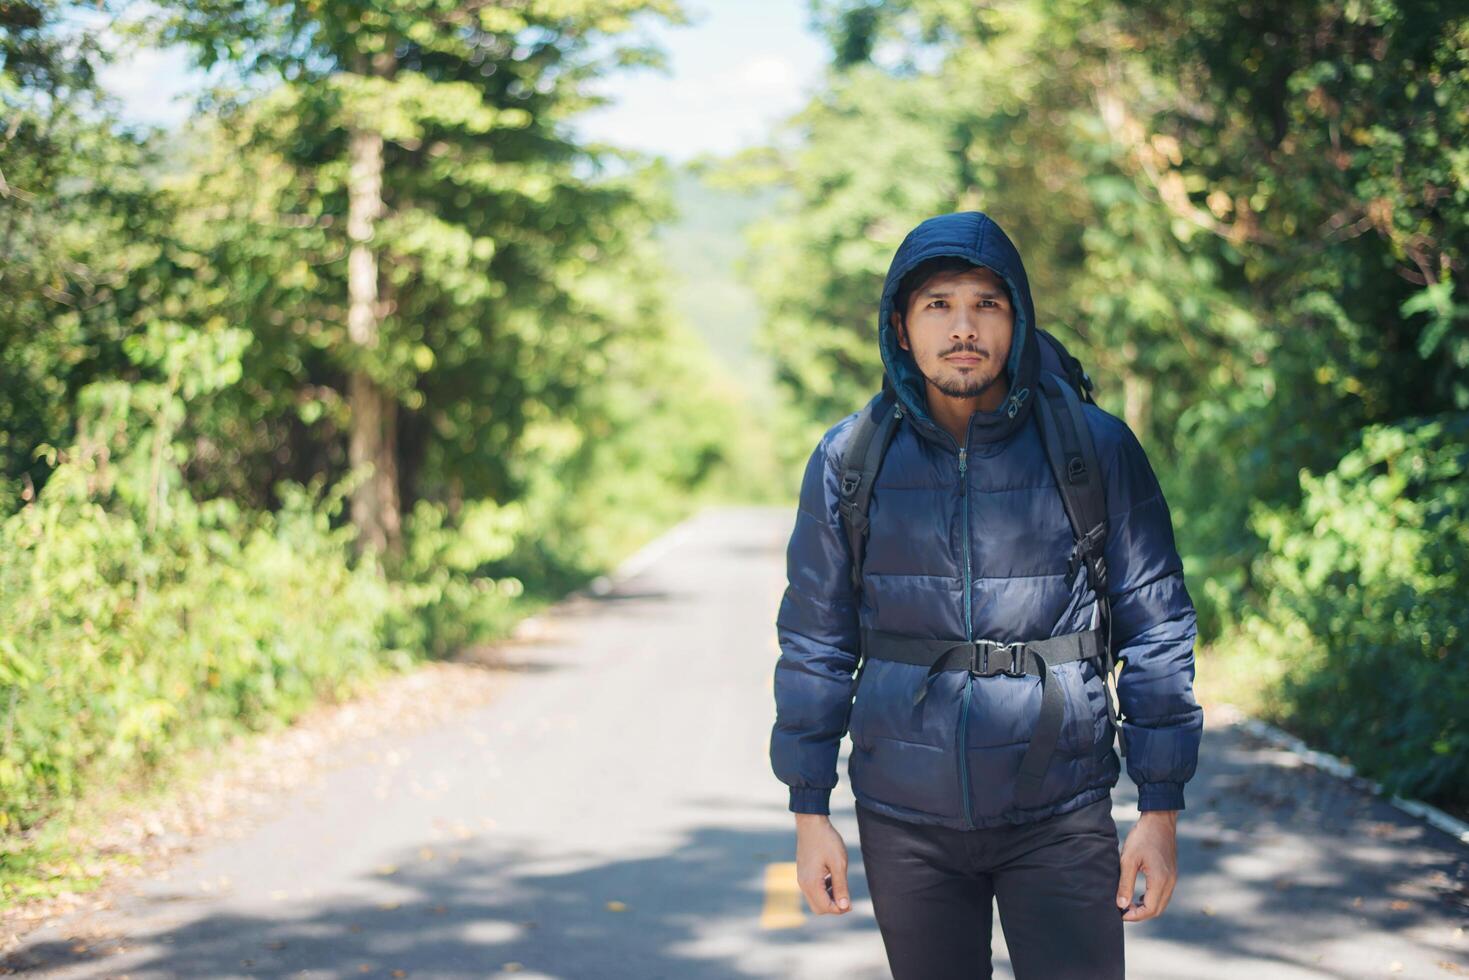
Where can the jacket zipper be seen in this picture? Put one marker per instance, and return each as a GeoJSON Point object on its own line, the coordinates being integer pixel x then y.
{"type": "Point", "coordinates": [968, 635]}
{"type": "Point", "coordinates": [963, 750]}
{"type": "Point", "coordinates": [962, 747]}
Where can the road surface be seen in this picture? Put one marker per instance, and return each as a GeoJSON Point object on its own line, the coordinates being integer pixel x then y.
{"type": "Point", "coordinates": [612, 813]}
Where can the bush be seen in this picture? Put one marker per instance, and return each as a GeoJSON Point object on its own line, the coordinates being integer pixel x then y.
{"type": "Point", "coordinates": [136, 621]}
{"type": "Point", "coordinates": [450, 600]}
{"type": "Point", "coordinates": [1366, 612]}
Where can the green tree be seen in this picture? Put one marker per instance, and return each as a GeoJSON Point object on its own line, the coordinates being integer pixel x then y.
{"type": "Point", "coordinates": [78, 227]}
{"type": "Point", "coordinates": [422, 142]}
{"type": "Point", "coordinates": [1249, 223]}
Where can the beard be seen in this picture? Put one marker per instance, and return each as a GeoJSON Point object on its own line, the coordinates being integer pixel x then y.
{"type": "Point", "coordinates": [965, 385]}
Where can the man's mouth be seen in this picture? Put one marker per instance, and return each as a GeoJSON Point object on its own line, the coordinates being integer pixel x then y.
{"type": "Point", "coordinates": [965, 358]}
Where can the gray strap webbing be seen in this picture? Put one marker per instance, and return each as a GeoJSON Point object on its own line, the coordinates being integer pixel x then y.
{"type": "Point", "coordinates": [1073, 458]}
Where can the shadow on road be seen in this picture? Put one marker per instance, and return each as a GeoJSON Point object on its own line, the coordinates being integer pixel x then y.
{"type": "Point", "coordinates": [690, 912]}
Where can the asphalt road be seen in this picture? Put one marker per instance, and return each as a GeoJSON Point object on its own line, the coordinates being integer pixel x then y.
{"type": "Point", "coordinates": [613, 814]}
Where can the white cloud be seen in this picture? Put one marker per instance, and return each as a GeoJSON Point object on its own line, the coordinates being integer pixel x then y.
{"type": "Point", "coordinates": [705, 106]}
{"type": "Point", "coordinates": [766, 73]}
{"type": "Point", "coordinates": [151, 83]}
{"type": "Point", "coordinates": [732, 74]}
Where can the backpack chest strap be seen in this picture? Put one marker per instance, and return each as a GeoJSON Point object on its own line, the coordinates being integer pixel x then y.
{"type": "Point", "coordinates": [987, 658]}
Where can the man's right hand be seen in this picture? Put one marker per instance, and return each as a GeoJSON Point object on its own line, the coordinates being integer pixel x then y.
{"type": "Point", "coordinates": [821, 854]}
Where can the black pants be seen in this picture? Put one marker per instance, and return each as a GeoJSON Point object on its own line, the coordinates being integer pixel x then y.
{"type": "Point", "coordinates": [1055, 882]}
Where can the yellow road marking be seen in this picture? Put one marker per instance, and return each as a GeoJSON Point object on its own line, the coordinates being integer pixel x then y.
{"type": "Point", "coordinates": [784, 907]}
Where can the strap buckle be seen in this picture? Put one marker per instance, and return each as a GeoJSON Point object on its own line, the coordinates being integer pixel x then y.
{"type": "Point", "coordinates": [1086, 549]}
{"type": "Point", "coordinates": [980, 663]}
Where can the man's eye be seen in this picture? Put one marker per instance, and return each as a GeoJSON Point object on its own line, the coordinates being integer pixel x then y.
{"type": "Point", "coordinates": [935, 301]}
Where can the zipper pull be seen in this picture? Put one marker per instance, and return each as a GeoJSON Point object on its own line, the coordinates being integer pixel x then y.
{"type": "Point", "coordinates": [961, 458]}
{"type": "Point", "coordinates": [1016, 398]}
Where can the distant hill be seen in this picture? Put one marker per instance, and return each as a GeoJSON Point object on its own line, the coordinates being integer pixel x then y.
{"type": "Point", "coordinates": [703, 249]}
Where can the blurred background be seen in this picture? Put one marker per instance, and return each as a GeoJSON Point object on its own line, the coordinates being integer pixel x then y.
{"type": "Point", "coordinates": [338, 337]}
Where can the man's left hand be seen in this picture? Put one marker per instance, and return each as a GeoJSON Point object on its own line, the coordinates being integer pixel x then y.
{"type": "Point", "coordinates": [1152, 848]}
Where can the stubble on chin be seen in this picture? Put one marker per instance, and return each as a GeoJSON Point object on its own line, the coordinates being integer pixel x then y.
{"type": "Point", "coordinates": [956, 384]}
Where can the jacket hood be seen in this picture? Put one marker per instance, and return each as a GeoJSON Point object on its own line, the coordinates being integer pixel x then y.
{"type": "Point", "coordinates": [977, 237]}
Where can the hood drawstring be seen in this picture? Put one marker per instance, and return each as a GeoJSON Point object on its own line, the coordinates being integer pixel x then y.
{"type": "Point", "coordinates": [1016, 399]}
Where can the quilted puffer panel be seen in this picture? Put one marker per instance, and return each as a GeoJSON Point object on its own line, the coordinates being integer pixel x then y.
{"type": "Point", "coordinates": [982, 554]}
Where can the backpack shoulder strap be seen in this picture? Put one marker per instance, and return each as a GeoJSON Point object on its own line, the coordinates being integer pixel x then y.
{"type": "Point", "coordinates": [1071, 368]}
{"type": "Point", "coordinates": [1073, 457]}
{"type": "Point", "coordinates": [860, 462]}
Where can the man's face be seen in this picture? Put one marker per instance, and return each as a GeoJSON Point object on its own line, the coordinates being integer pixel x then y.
{"type": "Point", "coordinates": [958, 327]}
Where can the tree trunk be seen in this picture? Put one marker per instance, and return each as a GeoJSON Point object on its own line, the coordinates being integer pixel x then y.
{"type": "Point", "coordinates": [1137, 395]}
{"type": "Point", "coordinates": [374, 434]}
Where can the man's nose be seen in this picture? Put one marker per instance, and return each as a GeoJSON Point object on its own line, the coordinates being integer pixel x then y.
{"type": "Point", "coordinates": [966, 323]}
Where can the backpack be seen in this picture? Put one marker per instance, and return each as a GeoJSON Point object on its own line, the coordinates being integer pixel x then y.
{"type": "Point", "coordinates": [1064, 385]}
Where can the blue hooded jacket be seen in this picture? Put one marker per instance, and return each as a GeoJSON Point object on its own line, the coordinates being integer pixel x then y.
{"type": "Point", "coordinates": [975, 554]}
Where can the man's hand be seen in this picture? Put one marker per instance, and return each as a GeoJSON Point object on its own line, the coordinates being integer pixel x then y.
{"type": "Point", "coordinates": [821, 854]}
{"type": "Point", "coordinates": [1152, 848]}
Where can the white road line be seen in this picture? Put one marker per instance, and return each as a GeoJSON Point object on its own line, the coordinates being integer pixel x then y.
{"type": "Point", "coordinates": [1452, 826]}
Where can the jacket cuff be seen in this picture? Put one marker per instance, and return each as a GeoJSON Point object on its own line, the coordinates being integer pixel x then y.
{"type": "Point", "coordinates": [1159, 796]}
{"type": "Point", "coordinates": [806, 799]}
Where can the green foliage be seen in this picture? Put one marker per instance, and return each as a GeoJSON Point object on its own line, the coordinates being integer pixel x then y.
{"type": "Point", "coordinates": [1364, 606]}
{"type": "Point", "coordinates": [1250, 225]}
{"type": "Point", "coordinates": [496, 223]}
{"type": "Point", "coordinates": [77, 224]}
{"type": "Point", "coordinates": [177, 562]}
{"type": "Point", "coordinates": [451, 600]}
{"type": "Point", "coordinates": [703, 248]}
{"type": "Point", "coordinates": [138, 621]}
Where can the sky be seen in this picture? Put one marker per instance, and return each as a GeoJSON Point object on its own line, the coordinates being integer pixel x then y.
{"type": "Point", "coordinates": [737, 67]}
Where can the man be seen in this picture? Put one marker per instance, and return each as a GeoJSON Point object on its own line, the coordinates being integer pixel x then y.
{"type": "Point", "coordinates": [968, 540]}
